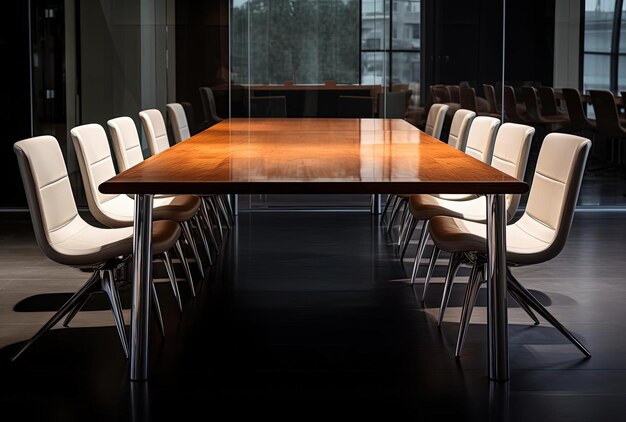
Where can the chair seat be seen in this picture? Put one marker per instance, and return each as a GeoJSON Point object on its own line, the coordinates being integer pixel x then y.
{"type": "Point", "coordinates": [81, 244]}
{"type": "Point", "coordinates": [425, 207]}
{"type": "Point", "coordinates": [120, 209]}
{"type": "Point", "coordinates": [456, 196]}
{"type": "Point", "coordinates": [456, 235]}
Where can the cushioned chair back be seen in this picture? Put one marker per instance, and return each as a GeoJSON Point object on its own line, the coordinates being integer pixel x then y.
{"type": "Point", "coordinates": [490, 96]}
{"type": "Point", "coordinates": [178, 121]}
{"type": "Point", "coordinates": [435, 119]}
{"type": "Point", "coordinates": [440, 94]}
{"type": "Point", "coordinates": [126, 142]}
{"type": "Point", "coordinates": [455, 93]}
{"type": "Point", "coordinates": [468, 98]}
{"type": "Point", "coordinates": [510, 156]}
{"type": "Point", "coordinates": [208, 105]}
{"type": "Point", "coordinates": [355, 106]}
{"type": "Point", "coordinates": [154, 128]}
{"type": "Point", "coordinates": [556, 184]}
{"type": "Point", "coordinates": [577, 117]}
{"type": "Point", "coordinates": [459, 128]}
{"type": "Point", "coordinates": [529, 94]}
{"type": "Point", "coordinates": [547, 100]}
{"type": "Point", "coordinates": [510, 105]}
{"type": "Point", "coordinates": [607, 118]}
{"type": "Point", "coordinates": [49, 194]}
{"type": "Point", "coordinates": [481, 137]}
{"type": "Point", "coordinates": [96, 165]}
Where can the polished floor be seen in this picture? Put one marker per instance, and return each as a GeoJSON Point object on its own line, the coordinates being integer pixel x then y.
{"type": "Point", "coordinates": [309, 315]}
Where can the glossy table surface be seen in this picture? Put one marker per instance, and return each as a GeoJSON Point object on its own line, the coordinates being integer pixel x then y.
{"type": "Point", "coordinates": [339, 156]}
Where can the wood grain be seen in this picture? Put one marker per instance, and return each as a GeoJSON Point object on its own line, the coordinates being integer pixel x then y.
{"type": "Point", "coordinates": [339, 156]}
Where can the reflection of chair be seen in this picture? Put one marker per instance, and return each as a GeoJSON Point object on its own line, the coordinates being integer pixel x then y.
{"type": "Point", "coordinates": [533, 111]}
{"type": "Point", "coordinates": [608, 122]}
{"type": "Point", "coordinates": [470, 101]}
{"type": "Point", "coordinates": [393, 105]}
{"type": "Point", "coordinates": [440, 94]}
{"type": "Point", "coordinates": [178, 122]}
{"type": "Point", "coordinates": [490, 95]}
{"type": "Point", "coordinates": [271, 106]}
{"type": "Point", "coordinates": [548, 102]}
{"type": "Point", "coordinates": [191, 117]}
{"type": "Point", "coordinates": [459, 128]}
{"type": "Point", "coordinates": [64, 237]}
{"type": "Point", "coordinates": [355, 106]}
{"type": "Point", "coordinates": [511, 110]}
{"type": "Point", "coordinates": [455, 93]}
{"type": "Point", "coordinates": [538, 236]}
{"type": "Point", "coordinates": [577, 118]}
{"type": "Point", "coordinates": [208, 106]}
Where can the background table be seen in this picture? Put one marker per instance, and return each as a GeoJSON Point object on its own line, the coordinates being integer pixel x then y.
{"type": "Point", "coordinates": [339, 156]}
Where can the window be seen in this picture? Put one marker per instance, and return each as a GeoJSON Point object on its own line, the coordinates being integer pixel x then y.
{"type": "Point", "coordinates": [604, 60]}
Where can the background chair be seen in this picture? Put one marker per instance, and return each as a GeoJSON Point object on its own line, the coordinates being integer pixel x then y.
{"type": "Point", "coordinates": [608, 123]}
{"type": "Point", "coordinates": [393, 105]}
{"type": "Point", "coordinates": [154, 128]}
{"type": "Point", "coordinates": [578, 120]}
{"type": "Point", "coordinates": [513, 112]}
{"type": "Point", "coordinates": [208, 107]}
{"type": "Point", "coordinates": [492, 100]}
{"type": "Point", "coordinates": [178, 122]}
{"type": "Point", "coordinates": [126, 144]}
{"type": "Point", "coordinates": [274, 106]}
{"type": "Point", "coordinates": [535, 114]}
{"type": "Point", "coordinates": [352, 106]}
{"type": "Point", "coordinates": [436, 118]}
{"type": "Point", "coordinates": [538, 236]}
{"type": "Point", "coordinates": [64, 237]}
{"type": "Point", "coordinates": [459, 128]}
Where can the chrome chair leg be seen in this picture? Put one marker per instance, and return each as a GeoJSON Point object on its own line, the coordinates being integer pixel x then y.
{"type": "Point", "coordinates": [192, 244]}
{"type": "Point", "coordinates": [222, 207]}
{"type": "Point", "coordinates": [183, 261]}
{"type": "Point", "coordinates": [157, 309]}
{"type": "Point", "coordinates": [203, 238]}
{"type": "Point", "coordinates": [471, 293]}
{"type": "Point", "coordinates": [522, 303]}
{"type": "Point", "coordinates": [403, 227]}
{"type": "Point", "coordinates": [209, 224]}
{"type": "Point", "coordinates": [75, 310]}
{"type": "Point", "coordinates": [394, 213]}
{"type": "Point", "coordinates": [218, 219]}
{"type": "Point", "coordinates": [421, 246]}
{"type": "Point", "coordinates": [453, 267]}
{"type": "Point", "coordinates": [89, 287]}
{"type": "Point", "coordinates": [171, 274]}
{"type": "Point", "coordinates": [541, 310]}
{"type": "Point", "coordinates": [387, 204]}
{"type": "Point", "coordinates": [431, 269]}
{"type": "Point", "coordinates": [408, 235]}
{"type": "Point", "coordinates": [109, 288]}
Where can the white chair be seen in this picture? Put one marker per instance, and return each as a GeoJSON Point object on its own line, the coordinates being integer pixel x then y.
{"type": "Point", "coordinates": [64, 237]}
{"type": "Point", "coordinates": [117, 210]}
{"type": "Point", "coordinates": [510, 156]}
{"type": "Point", "coordinates": [126, 142]}
{"type": "Point", "coordinates": [459, 128]}
{"type": "Point", "coordinates": [178, 121]}
{"type": "Point", "coordinates": [538, 236]}
{"type": "Point", "coordinates": [436, 118]}
{"type": "Point", "coordinates": [154, 128]}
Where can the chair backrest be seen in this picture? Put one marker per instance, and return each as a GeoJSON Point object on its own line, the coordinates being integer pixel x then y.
{"type": "Point", "coordinates": [440, 94]}
{"type": "Point", "coordinates": [178, 121]}
{"type": "Point", "coordinates": [96, 166]}
{"type": "Point", "coordinates": [510, 156]}
{"type": "Point", "coordinates": [392, 105]}
{"type": "Point", "coordinates": [126, 142]}
{"type": "Point", "coordinates": [547, 100]}
{"type": "Point", "coordinates": [435, 119]}
{"type": "Point", "coordinates": [490, 96]}
{"type": "Point", "coordinates": [355, 106]}
{"type": "Point", "coordinates": [529, 94]}
{"type": "Point", "coordinates": [455, 93]}
{"type": "Point", "coordinates": [191, 117]}
{"type": "Point", "coordinates": [49, 194]}
{"type": "Point", "coordinates": [154, 128]}
{"type": "Point", "coordinates": [468, 98]}
{"type": "Point", "coordinates": [607, 118]}
{"type": "Point", "coordinates": [459, 128]}
{"type": "Point", "coordinates": [271, 106]}
{"type": "Point", "coordinates": [481, 137]}
{"type": "Point", "coordinates": [552, 199]}
{"type": "Point", "coordinates": [573, 102]}
{"type": "Point", "coordinates": [510, 105]}
{"type": "Point", "coordinates": [208, 105]}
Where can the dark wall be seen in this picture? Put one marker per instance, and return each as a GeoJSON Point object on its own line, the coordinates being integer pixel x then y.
{"type": "Point", "coordinates": [15, 113]}
{"type": "Point", "coordinates": [530, 41]}
{"type": "Point", "coordinates": [201, 50]}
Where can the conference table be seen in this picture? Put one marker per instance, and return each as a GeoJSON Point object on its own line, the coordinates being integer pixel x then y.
{"type": "Point", "coordinates": [315, 156]}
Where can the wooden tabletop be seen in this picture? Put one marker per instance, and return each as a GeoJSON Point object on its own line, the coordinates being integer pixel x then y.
{"type": "Point", "coordinates": [339, 156]}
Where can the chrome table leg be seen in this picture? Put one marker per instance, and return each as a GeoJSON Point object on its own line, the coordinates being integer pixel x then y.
{"type": "Point", "coordinates": [142, 279]}
{"type": "Point", "coordinates": [497, 319]}
{"type": "Point", "coordinates": [375, 204]}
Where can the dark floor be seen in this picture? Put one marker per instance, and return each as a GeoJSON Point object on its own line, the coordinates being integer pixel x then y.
{"type": "Point", "coordinates": [308, 315]}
